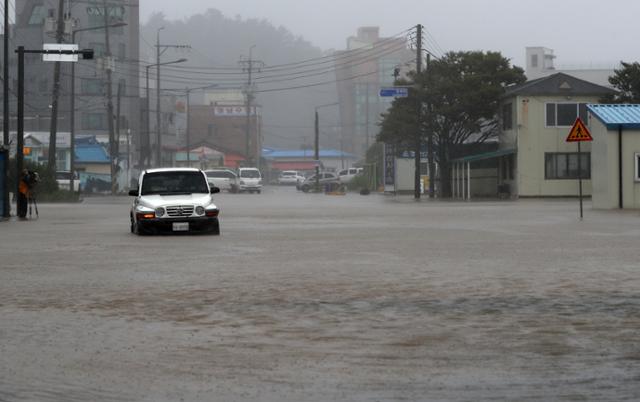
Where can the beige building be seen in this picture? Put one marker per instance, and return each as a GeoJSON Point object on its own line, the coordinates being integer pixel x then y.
{"type": "Point", "coordinates": [536, 119]}
{"type": "Point", "coordinates": [615, 159]}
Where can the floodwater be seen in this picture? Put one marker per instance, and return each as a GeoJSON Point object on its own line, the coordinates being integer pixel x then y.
{"type": "Point", "coordinates": [310, 297]}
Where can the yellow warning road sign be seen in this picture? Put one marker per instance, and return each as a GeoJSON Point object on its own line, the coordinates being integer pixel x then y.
{"type": "Point", "coordinates": [579, 132]}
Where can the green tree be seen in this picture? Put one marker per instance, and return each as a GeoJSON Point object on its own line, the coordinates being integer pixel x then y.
{"type": "Point", "coordinates": [627, 81]}
{"type": "Point", "coordinates": [459, 96]}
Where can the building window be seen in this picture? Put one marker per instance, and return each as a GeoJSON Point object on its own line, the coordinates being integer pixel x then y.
{"type": "Point", "coordinates": [38, 14]}
{"type": "Point", "coordinates": [534, 60]}
{"type": "Point", "coordinates": [565, 114]}
{"type": "Point", "coordinates": [564, 165]}
{"type": "Point", "coordinates": [91, 86]}
{"type": "Point", "coordinates": [637, 158]}
{"type": "Point", "coordinates": [507, 116]}
{"type": "Point", "coordinates": [94, 121]}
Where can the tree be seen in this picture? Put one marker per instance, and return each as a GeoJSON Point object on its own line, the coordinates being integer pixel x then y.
{"type": "Point", "coordinates": [460, 96]}
{"type": "Point", "coordinates": [627, 81]}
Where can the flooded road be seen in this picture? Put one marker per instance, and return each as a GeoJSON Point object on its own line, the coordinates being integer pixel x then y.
{"type": "Point", "coordinates": [323, 298]}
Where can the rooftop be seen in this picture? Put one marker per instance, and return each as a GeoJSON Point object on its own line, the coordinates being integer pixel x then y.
{"type": "Point", "coordinates": [615, 116]}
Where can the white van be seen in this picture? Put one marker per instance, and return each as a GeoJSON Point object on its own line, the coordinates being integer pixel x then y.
{"type": "Point", "coordinates": [346, 175]}
{"type": "Point", "coordinates": [250, 180]}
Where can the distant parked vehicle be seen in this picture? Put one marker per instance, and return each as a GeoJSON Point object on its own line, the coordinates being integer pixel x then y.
{"type": "Point", "coordinates": [224, 179]}
{"type": "Point", "coordinates": [250, 180]}
{"type": "Point", "coordinates": [64, 181]}
{"type": "Point", "coordinates": [346, 175]}
{"type": "Point", "coordinates": [289, 177]}
{"type": "Point", "coordinates": [325, 179]}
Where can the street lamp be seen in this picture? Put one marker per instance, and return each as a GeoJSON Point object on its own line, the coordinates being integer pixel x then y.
{"type": "Point", "coordinates": [148, 139]}
{"type": "Point", "coordinates": [72, 127]}
{"type": "Point", "coordinates": [317, 143]}
{"type": "Point", "coordinates": [188, 134]}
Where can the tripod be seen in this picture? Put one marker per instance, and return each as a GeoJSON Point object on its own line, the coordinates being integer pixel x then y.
{"type": "Point", "coordinates": [32, 201]}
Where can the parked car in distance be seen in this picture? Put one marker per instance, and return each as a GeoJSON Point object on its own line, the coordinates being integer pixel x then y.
{"type": "Point", "coordinates": [289, 177]}
{"type": "Point", "coordinates": [249, 180]}
{"type": "Point", "coordinates": [346, 175]}
{"type": "Point", "coordinates": [173, 200]}
{"type": "Point", "coordinates": [64, 180]}
{"type": "Point", "coordinates": [310, 182]}
{"type": "Point", "coordinates": [224, 179]}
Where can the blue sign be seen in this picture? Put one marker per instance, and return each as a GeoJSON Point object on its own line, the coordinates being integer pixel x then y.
{"type": "Point", "coordinates": [396, 92]}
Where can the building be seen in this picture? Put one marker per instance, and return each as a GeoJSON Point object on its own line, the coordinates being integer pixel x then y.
{"type": "Point", "coordinates": [368, 63]}
{"type": "Point", "coordinates": [536, 119]}
{"type": "Point", "coordinates": [540, 63]}
{"type": "Point", "coordinates": [615, 156]}
{"type": "Point", "coordinates": [36, 24]}
{"type": "Point", "coordinates": [220, 122]}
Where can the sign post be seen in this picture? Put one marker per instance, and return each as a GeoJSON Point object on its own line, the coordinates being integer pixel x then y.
{"type": "Point", "coordinates": [579, 133]}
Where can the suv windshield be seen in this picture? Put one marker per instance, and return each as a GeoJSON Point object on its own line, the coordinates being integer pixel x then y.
{"type": "Point", "coordinates": [168, 183]}
{"type": "Point", "coordinates": [250, 174]}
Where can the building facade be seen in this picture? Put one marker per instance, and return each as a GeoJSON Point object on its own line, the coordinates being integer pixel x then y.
{"type": "Point", "coordinates": [368, 63]}
{"type": "Point", "coordinates": [540, 62]}
{"type": "Point", "coordinates": [220, 121]}
{"type": "Point", "coordinates": [615, 156]}
{"type": "Point", "coordinates": [536, 119]}
{"type": "Point", "coordinates": [36, 25]}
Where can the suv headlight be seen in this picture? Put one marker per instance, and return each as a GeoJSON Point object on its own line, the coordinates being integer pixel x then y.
{"type": "Point", "coordinates": [199, 210]}
{"type": "Point", "coordinates": [159, 212]}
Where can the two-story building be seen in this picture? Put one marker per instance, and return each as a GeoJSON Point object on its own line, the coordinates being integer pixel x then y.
{"type": "Point", "coordinates": [536, 119]}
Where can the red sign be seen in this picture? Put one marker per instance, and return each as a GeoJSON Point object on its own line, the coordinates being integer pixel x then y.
{"type": "Point", "coordinates": [579, 132]}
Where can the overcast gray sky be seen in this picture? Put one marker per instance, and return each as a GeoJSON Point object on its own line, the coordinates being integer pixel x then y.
{"type": "Point", "coordinates": [582, 33]}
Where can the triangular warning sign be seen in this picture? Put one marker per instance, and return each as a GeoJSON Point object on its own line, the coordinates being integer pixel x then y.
{"type": "Point", "coordinates": [579, 132]}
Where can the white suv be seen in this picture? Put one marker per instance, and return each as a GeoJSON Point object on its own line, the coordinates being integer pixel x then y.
{"type": "Point", "coordinates": [174, 200]}
{"type": "Point", "coordinates": [250, 180]}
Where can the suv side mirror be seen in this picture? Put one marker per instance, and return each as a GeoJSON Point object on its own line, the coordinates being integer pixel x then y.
{"type": "Point", "coordinates": [215, 190]}
{"type": "Point", "coordinates": [133, 193]}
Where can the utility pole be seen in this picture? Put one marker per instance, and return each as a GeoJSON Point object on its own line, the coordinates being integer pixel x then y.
{"type": "Point", "coordinates": [316, 153]}
{"type": "Point", "coordinates": [248, 66]}
{"type": "Point", "coordinates": [56, 91]}
{"type": "Point", "coordinates": [418, 138]}
{"type": "Point", "coordinates": [5, 121]}
{"type": "Point", "coordinates": [160, 49]}
{"type": "Point", "coordinates": [366, 120]}
{"type": "Point", "coordinates": [432, 165]}
{"type": "Point", "coordinates": [118, 118]}
{"type": "Point", "coordinates": [112, 146]}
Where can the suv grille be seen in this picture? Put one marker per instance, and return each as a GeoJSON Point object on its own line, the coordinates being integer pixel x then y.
{"type": "Point", "coordinates": [180, 210]}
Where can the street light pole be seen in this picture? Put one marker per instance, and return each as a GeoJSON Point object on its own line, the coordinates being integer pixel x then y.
{"type": "Point", "coordinates": [72, 111]}
{"type": "Point", "coordinates": [159, 142]}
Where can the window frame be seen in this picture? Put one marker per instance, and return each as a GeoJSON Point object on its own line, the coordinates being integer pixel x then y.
{"type": "Point", "coordinates": [586, 169]}
{"type": "Point", "coordinates": [637, 163]}
{"type": "Point", "coordinates": [580, 107]}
